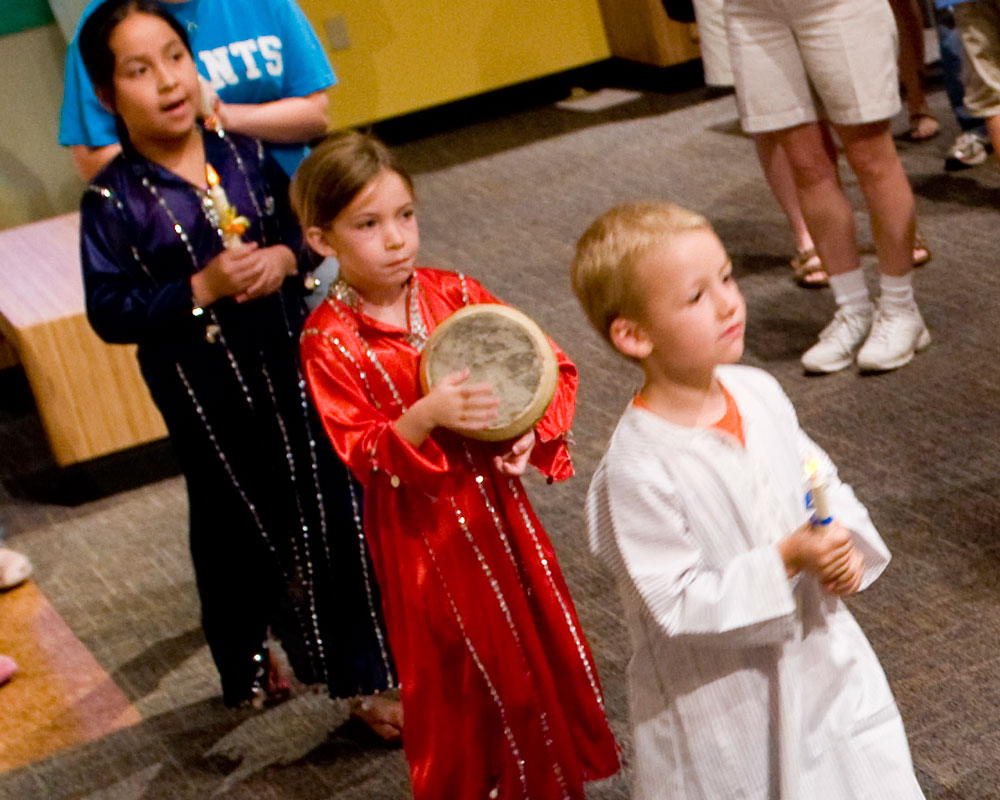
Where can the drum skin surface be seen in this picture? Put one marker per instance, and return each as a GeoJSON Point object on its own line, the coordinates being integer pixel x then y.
{"type": "Point", "coordinates": [500, 346]}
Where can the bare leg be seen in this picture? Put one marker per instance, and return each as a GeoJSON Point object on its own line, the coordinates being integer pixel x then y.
{"type": "Point", "coordinates": [911, 67]}
{"type": "Point", "coordinates": [993, 129]}
{"type": "Point", "coordinates": [778, 173]}
{"type": "Point", "coordinates": [824, 206]}
{"type": "Point", "coordinates": [871, 153]}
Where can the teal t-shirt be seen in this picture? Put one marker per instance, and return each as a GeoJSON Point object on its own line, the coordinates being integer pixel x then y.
{"type": "Point", "coordinates": [252, 51]}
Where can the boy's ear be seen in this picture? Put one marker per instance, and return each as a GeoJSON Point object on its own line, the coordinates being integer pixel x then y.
{"type": "Point", "coordinates": [629, 338]}
{"type": "Point", "coordinates": [316, 239]}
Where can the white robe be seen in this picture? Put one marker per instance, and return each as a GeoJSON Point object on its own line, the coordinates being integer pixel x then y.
{"type": "Point", "coordinates": [742, 683]}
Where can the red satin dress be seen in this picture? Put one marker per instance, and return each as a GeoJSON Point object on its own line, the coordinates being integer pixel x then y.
{"type": "Point", "coordinates": [499, 691]}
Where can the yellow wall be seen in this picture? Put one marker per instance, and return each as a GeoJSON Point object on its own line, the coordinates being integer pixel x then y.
{"type": "Point", "coordinates": [405, 55]}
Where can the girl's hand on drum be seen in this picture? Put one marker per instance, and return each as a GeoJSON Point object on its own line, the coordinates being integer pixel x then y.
{"type": "Point", "coordinates": [461, 406]}
{"type": "Point", "coordinates": [451, 403]}
{"type": "Point", "coordinates": [515, 461]}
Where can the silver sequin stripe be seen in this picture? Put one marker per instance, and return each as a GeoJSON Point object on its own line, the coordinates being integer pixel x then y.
{"type": "Point", "coordinates": [507, 730]}
{"type": "Point", "coordinates": [342, 349]}
{"type": "Point", "coordinates": [358, 523]}
{"type": "Point", "coordinates": [182, 235]}
{"type": "Point", "coordinates": [269, 201]}
{"type": "Point", "coordinates": [497, 522]}
{"type": "Point", "coordinates": [373, 358]}
{"type": "Point", "coordinates": [502, 602]}
{"type": "Point", "coordinates": [363, 549]}
{"type": "Point", "coordinates": [465, 288]}
{"type": "Point", "coordinates": [107, 194]}
{"type": "Point", "coordinates": [577, 636]}
{"type": "Point", "coordinates": [309, 579]}
{"type": "Point", "coordinates": [232, 477]}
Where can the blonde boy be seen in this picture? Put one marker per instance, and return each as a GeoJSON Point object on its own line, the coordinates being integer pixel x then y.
{"type": "Point", "coordinates": [749, 677]}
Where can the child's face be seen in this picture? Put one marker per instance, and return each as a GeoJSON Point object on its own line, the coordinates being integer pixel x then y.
{"type": "Point", "coordinates": [155, 80]}
{"type": "Point", "coordinates": [375, 237]}
{"type": "Point", "coordinates": [692, 314]}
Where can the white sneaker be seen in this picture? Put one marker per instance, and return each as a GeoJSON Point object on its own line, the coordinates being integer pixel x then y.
{"type": "Point", "coordinates": [897, 333]}
{"type": "Point", "coordinates": [969, 149]}
{"type": "Point", "coordinates": [840, 340]}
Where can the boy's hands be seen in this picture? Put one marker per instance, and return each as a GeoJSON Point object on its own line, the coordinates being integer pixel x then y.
{"type": "Point", "coordinates": [848, 580]}
{"type": "Point", "coordinates": [828, 553]}
{"type": "Point", "coordinates": [515, 461]}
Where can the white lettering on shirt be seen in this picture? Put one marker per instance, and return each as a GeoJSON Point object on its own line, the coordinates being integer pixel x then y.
{"type": "Point", "coordinates": [270, 48]}
{"type": "Point", "coordinates": [245, 50]}
{"type": "Point", "coordinates": [217, 64]}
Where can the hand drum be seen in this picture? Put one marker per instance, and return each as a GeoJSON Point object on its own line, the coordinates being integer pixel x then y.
{"type": "Point", "coordinates": [502, 347]}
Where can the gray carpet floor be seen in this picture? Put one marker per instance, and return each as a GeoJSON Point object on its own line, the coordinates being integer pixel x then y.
{"type": "Point", "coordinates": [504, 198]}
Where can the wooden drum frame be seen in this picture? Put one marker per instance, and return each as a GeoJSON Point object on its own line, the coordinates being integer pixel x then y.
{"type": "Point", "coordinates": [500, 346]}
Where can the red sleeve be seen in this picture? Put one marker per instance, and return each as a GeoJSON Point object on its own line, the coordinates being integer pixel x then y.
{"type": "Point", "coordinates": [551, 453]}
{"type": "Point", "coordinates": [364, 437]}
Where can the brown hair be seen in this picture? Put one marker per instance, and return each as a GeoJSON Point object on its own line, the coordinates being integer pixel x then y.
{"type": "Point", "coordinates": [331, 176]}
{"type": "Point", "coordinates": [603, 271]}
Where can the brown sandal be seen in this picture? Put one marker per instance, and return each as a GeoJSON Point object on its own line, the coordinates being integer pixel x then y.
{"type": "Point", "coordinates": [808, 270]}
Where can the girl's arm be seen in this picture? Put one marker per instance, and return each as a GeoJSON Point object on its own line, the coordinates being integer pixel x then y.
{"type": "Point", "coordinates": [364, 436]}
{"type": "Point", "coordinates": [91, 160]}
{"type": "Point", "coordinates": [123, 303]}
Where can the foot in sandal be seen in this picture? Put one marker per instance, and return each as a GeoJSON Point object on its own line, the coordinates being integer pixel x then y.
{"type": "Point", "coordinates": [923, 126]}
{"type": "Point", "coordinates": [808, 269]}
{"type": "Point", "coordinates": [382, 714]}
{"type": "Point", "coordinates": [921, 251]}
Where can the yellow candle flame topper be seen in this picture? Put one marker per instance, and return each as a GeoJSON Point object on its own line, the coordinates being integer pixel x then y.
{"type": "Point", "coordinates": [233, 226]}
{"type": "Point", "coordinates": [817, 490]}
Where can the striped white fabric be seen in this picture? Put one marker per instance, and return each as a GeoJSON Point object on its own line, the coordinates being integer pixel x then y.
{"type": "Point", "coordinates": [742, 684]}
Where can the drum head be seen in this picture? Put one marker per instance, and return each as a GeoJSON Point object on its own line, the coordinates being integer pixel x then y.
{"type": "Point", "coordinates": [500, 346]}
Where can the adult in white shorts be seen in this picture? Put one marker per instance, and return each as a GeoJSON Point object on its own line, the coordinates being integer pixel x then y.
{"type": "Point", "coordinates": [795, 61]}
{"type": "Point", "coordinates": [807, 268]}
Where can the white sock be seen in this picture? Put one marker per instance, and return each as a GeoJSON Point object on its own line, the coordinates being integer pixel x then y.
{"type": "Point", "coordinates": [850, 290]}
{"type": "Point", "coordinates": [896, 292]}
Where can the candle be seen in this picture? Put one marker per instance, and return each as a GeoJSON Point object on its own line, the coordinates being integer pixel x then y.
{"type": "Point", "coordinates": [230, 223]}
{"type": "Point", "coordinates": [816, 500]}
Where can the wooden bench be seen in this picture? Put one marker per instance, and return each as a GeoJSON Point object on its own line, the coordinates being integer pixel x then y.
{"type": "Point", "coordinates": [90, 396]}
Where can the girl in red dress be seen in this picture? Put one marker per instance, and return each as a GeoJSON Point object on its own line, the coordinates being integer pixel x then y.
{"type": "Point", "coordinates": [500, 695]}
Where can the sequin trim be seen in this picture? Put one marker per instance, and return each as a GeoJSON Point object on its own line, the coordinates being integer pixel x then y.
{"type": "Point", "coordinates": [502, 602]}
{"type": "Point", "coordinates": [107, 194]}
{"type": "Point", "coordinates": [577, 637]}
{"type": "Point", "coordinates": [185, 240]}
{"type": "Point", "coordinates": [363, 549]}
{"type": "Point", "coordinates": [507, 730]}
{"type": "Point", "coordinates": [303, 525]}
{"type": "Point", "coordinates": [342, 349]}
